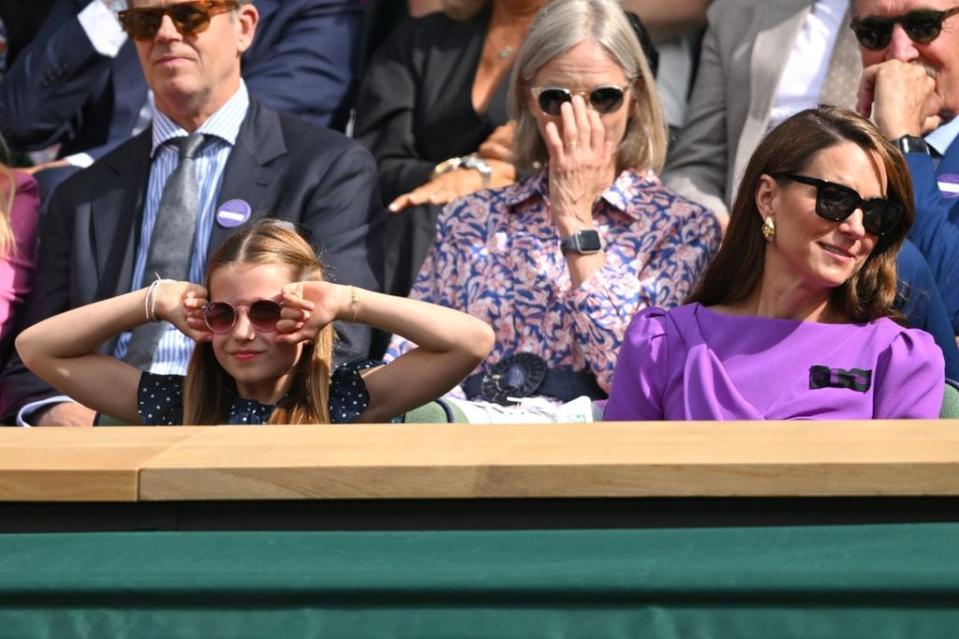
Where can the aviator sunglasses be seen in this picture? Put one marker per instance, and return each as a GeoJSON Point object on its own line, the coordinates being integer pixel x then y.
{"type": "Point", "coordinates": [220, 317]}
{"type": "Point", "coordinates": [189, 18]}
{"type": "Point", "coordinates": [836, 202]}
{"type": "Point", "coordinates": [604, 99]}
{"type": "Point", "coordinates": [922, 26]}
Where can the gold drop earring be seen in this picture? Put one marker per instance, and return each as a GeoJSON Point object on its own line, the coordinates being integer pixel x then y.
{"type": "Point", "coordinates": [769, 228]}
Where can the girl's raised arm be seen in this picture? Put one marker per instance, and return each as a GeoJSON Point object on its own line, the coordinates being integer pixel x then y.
{"type": "Point", "coordinates": [450, 344]}
{"type": "Point", "coordinates": [61, 350]}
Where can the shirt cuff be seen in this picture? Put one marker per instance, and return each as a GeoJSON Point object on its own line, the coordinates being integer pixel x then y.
{"type": "Point", "coordinates": [27, 411]}
{"type": "Point", "coordinates": [101, 25]}
{"type": "Point", "coordinates": [81, 160]}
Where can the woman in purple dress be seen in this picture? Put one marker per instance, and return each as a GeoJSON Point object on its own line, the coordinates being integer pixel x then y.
{"type": "Point", "coordinates": [794, 319]}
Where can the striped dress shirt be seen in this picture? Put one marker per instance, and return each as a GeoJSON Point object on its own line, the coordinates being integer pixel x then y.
{"type": "Point", "coordinates": [173, 352]}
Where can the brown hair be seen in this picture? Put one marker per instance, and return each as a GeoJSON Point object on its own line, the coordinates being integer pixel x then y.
{"type": "Point", "coordinates": [208, 389]}
{"type": "Point", "coordinates": [789, 148]}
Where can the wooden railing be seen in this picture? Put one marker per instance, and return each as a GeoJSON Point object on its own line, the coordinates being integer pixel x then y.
{"type": "Point", "coordinates": [709, 459]}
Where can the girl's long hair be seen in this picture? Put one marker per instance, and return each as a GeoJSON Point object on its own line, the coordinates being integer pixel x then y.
{"type": "Point", "coordinates": [8, 188]}
{"type": "Point", "coordinates": [789, 148]}
{"type": "Point", "coordinates": [209, 390]}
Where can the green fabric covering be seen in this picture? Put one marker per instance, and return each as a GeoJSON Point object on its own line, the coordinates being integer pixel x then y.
{"type": "Point", "coordinates": [950, 402]}
{"type": "Point", "coordinates": [816, 581]}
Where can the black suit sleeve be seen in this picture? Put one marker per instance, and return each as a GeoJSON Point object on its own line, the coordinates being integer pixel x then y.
{"type": "Point", "coordinates": [343, 220]}
{"type": "Point", "coordinates": [45, 90]}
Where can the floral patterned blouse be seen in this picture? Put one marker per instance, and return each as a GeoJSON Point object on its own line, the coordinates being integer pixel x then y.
{"type": "Point", "coordinates": [497, 257]}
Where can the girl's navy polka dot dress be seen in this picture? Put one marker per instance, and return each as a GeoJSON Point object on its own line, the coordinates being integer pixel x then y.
{"type": "Point", "coordinates": [160, 398]}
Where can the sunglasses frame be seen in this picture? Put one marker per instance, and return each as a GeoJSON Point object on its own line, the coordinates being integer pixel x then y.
{"type": "Point", "coordinates": [128, 17]}
{"type": "Point", "coordinates": [236, 313]}
{"type": "Point", "coordinates": [888, 23]}
{"type": "Point", "coordinates": [861, 202]}
{"type": "Point", "coordinates": [537, 92]}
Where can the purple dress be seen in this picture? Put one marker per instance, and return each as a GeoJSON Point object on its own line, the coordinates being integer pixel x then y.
{"type": "Point", "coordinates": [694, 363]}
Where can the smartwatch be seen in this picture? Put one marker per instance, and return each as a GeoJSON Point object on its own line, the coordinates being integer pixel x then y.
{"type": "Point", "coordinates": [585, 242]}
{"type": "Point", "coordinates": [912, 144]}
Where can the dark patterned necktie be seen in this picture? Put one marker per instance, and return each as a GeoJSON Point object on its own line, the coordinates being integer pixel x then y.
{"type": "Point", "coordinates": [171, 243]}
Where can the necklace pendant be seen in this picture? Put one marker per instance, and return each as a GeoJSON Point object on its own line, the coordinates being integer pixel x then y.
{"type": "Point", "coordinates": [504, 53]}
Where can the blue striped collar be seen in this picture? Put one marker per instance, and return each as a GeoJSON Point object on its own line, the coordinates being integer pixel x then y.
{"type": "Point", "coordinates": [941, 139]}
{"type": "Point", "coordinates": [224, 123]}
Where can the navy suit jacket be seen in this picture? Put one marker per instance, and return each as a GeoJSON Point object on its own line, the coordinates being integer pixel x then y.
{"type": "Point", "coordinates": [60, 90]}
{"type": "Point", "coordinates": [936, 230]}
{"type": "Point", "coordinates": [283, 167]}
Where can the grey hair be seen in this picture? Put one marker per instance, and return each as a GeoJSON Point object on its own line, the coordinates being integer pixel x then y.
{"type": "Point", "coordinates": [561, 25]}
{"type": "Point", "coordinates": [462, 9]}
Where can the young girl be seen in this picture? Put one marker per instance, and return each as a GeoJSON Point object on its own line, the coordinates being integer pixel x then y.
{"type": "Point", "coordinates": [264, 344]}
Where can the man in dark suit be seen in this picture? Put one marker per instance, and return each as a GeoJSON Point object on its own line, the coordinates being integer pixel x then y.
{"type": "Point", "coordinates": [254, 162]}
{"type": "Point", "coordinates": [79, 83]}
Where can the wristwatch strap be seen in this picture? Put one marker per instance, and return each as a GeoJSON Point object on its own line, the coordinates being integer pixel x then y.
{"type": "Point", "coordinates": [912, 144]}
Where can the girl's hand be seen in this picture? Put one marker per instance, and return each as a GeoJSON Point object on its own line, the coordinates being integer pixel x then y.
{"type": "Point", "coordinates": [581, 165]}
{"type": "Point", "coordinates": [181, 304]}
{"type": "Point", "coordinates": [308, 307]}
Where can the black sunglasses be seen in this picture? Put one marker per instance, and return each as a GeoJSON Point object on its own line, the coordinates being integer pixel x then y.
{"type": "Point", "coordinates": [220, 317]}
{"type": "Point", "coordinates": [922, 26]}
{"type": "Point", "coordinates": [836, 202]}
{"type": "Point", "coordinates": [189, 18]}
{"type": "Point", "coordinates": [604, 99]}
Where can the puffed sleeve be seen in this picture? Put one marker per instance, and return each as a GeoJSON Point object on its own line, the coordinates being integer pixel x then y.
{"type": "Point", "coordinates": [348, 394]}
{"type": "Point", "coordinates": [160, 399]}
{"type": "Point", "coordinates": [639, 378]}
{"type": "Point", "coordinates": [910, 378]}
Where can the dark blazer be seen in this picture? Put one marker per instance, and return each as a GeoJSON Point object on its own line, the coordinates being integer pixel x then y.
{"type": "Point", "coordinates": [281, 166]}
{"type": "Point", "coordinates": [935, 231]}
{"type": "Point", "coordinates": [60, 90]}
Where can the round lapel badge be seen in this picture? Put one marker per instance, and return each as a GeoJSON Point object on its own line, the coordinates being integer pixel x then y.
{"type": "Point", "coordinates": [949, 185]}
{"type": "Point", "coordinates": [233, 213]}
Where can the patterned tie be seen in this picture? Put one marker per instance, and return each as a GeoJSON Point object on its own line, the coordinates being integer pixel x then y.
{"type": "Point", "coordinates": [845, 69]}
{"type": "Point", "coordinates": [171, 243]}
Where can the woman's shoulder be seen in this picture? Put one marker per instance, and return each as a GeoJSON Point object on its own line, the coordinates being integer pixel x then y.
{"type": "Point", "coordinates": [653, 322]}
{"type": "Point", "coordinates": [497, 201]}
{"type": "Point", "coordinates": [887, 332]}
{"type": "Point", "coordinates": [646, 187]}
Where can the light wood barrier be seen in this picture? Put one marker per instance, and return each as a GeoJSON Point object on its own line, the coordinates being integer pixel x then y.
{"type": "Point", "coordinates": [410, 461]}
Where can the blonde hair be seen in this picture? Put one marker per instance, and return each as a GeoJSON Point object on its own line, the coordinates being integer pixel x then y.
{"type": "Point", "coordinates": [208, 388]}
{"type": "Point", "coordinates": [8, 245]}
{"type": "Point", "coordinates": [560, 26]}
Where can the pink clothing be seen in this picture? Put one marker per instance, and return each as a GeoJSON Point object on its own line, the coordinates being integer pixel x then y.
{"type": "Point", "coordinates": [16, 268]}
{"type": "Point", "coordinates": [497, 257]}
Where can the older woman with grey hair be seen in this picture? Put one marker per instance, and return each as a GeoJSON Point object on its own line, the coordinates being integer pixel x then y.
{"type": "Point", "coordinates": [560, 261]}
